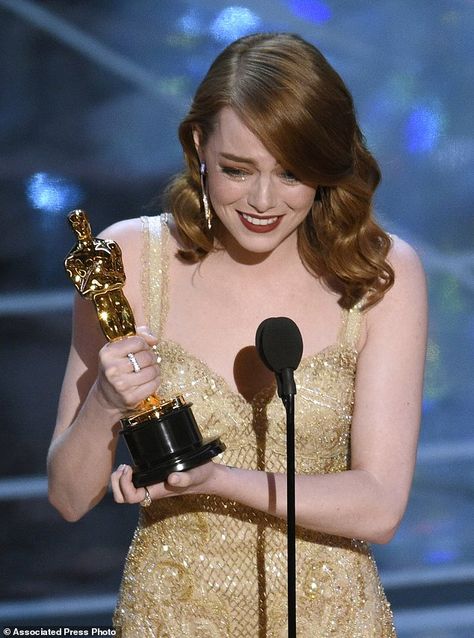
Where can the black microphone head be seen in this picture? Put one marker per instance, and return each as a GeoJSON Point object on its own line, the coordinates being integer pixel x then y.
{"type": "Point", "coordinates": [279, 343]}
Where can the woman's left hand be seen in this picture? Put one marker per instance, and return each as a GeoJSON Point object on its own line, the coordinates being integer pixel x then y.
{"type": "Point", "coordinates": [198, 480]}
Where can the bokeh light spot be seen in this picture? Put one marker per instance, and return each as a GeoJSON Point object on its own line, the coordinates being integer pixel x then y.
{"type": "Point", "coordinates": [422, 129]}
{"type": "Point", "coordinates": [190, 23]}
{"type": "Point", "coordinates": [52, 194]}
{"type": "Point", "coordinates": [234, 22]}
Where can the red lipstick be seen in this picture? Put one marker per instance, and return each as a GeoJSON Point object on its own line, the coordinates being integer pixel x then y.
{"type": "Point", "coordinates": [260, 228]}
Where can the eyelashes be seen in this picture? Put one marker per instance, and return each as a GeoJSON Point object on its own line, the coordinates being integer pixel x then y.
{"type": "Point", "coordinates": [240, 174]}
{"type": "Point", "coordinates": [234, 173]}
{"type": "Point", "coordinates": [289, 177]}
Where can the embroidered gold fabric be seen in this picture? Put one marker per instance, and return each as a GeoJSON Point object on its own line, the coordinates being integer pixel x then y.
{"type": "Point", "coordinates": [206, 567]}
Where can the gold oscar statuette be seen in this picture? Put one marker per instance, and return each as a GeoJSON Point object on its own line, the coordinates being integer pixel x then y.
{"type": "Point", "coordinates": [162, 435]}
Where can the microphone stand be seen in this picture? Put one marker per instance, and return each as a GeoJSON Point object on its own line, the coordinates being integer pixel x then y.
{"type": "Point", "coordinates": [287, 390]}
{"type": "Point", "coordinates": [289, 403]}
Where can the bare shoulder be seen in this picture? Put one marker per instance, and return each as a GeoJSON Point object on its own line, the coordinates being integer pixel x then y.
{"type": "Point", "coordinates": [125, 232]}
{"type": "Point", "coordinates": [403, 257]}
{"type": "Point", "coordinates": [409, 273]}
{"type": "Point", "coordinates": [129, 236]}
{"type": "Point", "coordinates": [128, 233]}
{"type": "Point", "coordinates": [408, 293]}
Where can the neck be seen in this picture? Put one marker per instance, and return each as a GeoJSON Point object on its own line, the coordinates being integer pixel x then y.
{"type": "Point", "coordinates": [285, 255]}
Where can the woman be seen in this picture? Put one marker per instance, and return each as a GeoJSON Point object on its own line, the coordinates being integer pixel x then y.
{"type": "Point", "coordinates": [272, 216]}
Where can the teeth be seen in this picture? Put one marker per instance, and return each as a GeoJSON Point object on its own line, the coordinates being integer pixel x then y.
{"type": "Point", "coordinates": [257, 221]}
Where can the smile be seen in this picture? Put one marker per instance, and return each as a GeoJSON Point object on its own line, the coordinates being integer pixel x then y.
{"type": "Point", "coordinates": [259, 224]}
{"type": "Point", "coordinates": [258, 221]}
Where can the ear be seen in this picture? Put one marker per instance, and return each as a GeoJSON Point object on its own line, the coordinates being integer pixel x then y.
{"type": "Point", "coordinates": [197, 141]}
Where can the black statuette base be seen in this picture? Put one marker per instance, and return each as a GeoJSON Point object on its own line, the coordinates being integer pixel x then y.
{"type": "Point", "coordinates": [172, 442]}
{"type": "Point", "coordinates": [178, 464]}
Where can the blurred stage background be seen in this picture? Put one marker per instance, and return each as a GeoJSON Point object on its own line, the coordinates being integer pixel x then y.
{"type": "Point", "coordinates": [91, 96]}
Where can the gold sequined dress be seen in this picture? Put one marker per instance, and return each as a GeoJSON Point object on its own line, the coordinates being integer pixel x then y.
{"type": "Point", "coordinates": [206, 567]}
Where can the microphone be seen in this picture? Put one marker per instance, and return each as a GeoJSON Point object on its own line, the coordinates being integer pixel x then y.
{"type": "Point", "coordinates": [280, 346]}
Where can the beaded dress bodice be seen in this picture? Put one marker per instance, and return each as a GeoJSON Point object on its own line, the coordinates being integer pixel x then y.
{"type": "Point", "coordinates": [208, 567]}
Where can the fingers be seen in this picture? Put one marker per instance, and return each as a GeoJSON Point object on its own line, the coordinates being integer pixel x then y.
{"type": "Point", "coordinates": [122, 486]}
{"type": "Point", "coordinates": [194, 481]}
{"type": "Point", "coordinates": [136, 361]}
{"type": "Point", "coordinates": [120, 348]}
{"type": "Point", "coordinates": [114, 481]}
{"type": "Point", "coordinates": [115, 356]}
{"type": "Point", "coordinates": [180, 479]}
{"type": "Point", "coordinates": [128, 370]}
{"type": "Point", "coordinates": [144, 332]}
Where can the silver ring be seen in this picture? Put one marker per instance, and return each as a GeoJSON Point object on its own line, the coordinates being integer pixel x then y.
{"type": "Point", "coordinates": [146, 502]}
{"type": "Point", "coordinates": [134, 362]}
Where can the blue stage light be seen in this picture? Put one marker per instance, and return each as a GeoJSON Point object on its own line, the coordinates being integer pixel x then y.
{"type": "Point", "coordinates": [234, 22]}
{"type": "Point", "coordinates": [52, 194]}
{"type": "Point", "coordinates": [422, 129]}
{"type": "Point", "coordinates": [311, 10]}
{"type": "Point", "coordinates": [190, 23]}
{"type": "Point", "coordinates": [440, 556]}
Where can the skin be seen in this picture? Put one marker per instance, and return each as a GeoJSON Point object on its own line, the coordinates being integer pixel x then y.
{"type": "Point", "coordinates": [229, 293]}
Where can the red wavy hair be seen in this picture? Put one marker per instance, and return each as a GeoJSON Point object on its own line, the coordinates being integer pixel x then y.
{"type": "Point", "coordinates": [296, 104]}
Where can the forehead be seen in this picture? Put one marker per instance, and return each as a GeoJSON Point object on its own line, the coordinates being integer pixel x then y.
{"type": "Point", "coordinates": [231, 135]}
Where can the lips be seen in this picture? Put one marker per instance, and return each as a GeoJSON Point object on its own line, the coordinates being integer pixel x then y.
{"type": "Point", "coordinates": [259, 224]}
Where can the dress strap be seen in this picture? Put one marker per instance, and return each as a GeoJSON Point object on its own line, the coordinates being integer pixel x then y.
{"type": "Point", "coordinates": [349, 332]}
{"type": "Point", "coordinates": [155, 271]}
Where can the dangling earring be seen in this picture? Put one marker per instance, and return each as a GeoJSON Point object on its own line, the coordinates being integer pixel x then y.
{"type": "Point", "coordinates": [205, 201]}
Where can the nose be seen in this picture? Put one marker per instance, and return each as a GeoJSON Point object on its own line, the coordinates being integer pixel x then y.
{"type": "Point", "coordinates": [262, 196]}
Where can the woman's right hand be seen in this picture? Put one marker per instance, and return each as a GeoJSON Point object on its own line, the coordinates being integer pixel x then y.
{"type": "Point", "coordinates": [118, 385]}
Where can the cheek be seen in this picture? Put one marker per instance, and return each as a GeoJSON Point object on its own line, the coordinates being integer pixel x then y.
{"type": "Point", "coordinates": [223, 191]}
{"type": "Point", "coordinates": [303, 199]}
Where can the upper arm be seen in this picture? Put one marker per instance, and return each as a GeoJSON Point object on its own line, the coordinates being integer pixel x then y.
{"type": "Point", "coordinates": [389, 381]}
{"type": "Point", "coordinates": [87, 336]}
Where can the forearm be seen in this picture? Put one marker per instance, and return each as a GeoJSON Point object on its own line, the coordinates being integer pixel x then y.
{"type": "Point", "coordinates": [81, 458]}
{"type": "Point", "coordinates": [352, 504]}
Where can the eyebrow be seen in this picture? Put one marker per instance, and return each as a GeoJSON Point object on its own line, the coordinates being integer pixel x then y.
{"type": "Point", "coordinates": [236, 158]}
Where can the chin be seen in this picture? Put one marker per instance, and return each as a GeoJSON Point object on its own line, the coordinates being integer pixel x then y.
{"type": "Point", "coordinates": [259, 244]}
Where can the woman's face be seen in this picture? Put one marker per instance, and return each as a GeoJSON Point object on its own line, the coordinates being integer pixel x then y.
{"type": "Point", "coordinates": [259, 203]}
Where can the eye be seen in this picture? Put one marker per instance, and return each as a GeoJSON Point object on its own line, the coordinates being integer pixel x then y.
{"type": "Point", "coordinates": [238, 174]}
{"type": "Point", "coordinates": [288, 176]}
